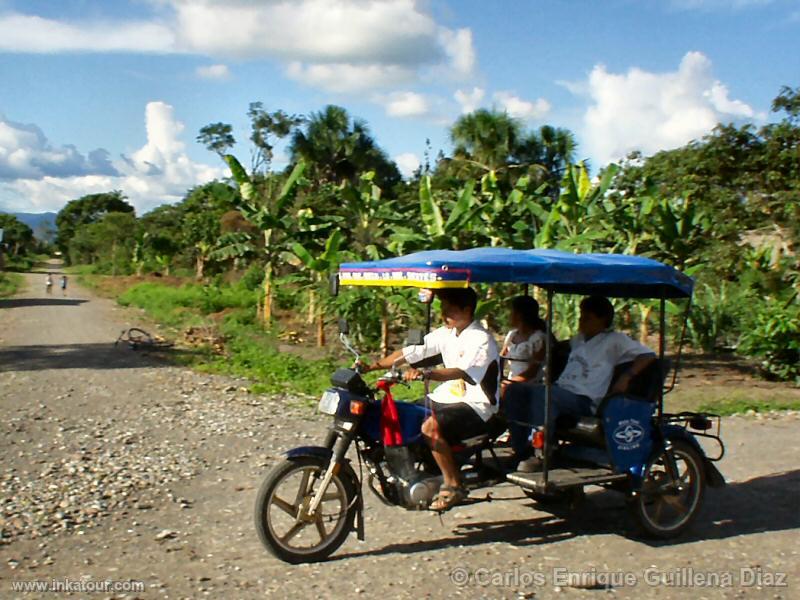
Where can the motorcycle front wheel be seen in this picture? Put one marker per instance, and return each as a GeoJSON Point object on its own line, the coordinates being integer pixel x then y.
{"type": "Point", "coordinates": [282, 520]}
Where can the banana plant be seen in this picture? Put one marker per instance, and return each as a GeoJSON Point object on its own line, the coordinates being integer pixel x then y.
{"type": "Point", "coordinates": [266, 203]}
{"type": "Point", "coordinates": [138, 253]}
{"type": "Point", "coordinates": [234, 245]}
{"type": "Point", "coordinates": [163, 261]}
{"type": "Point", "coordinates": [436, 231]}
{"type": "Point", "coordinates": [319, 267]}
{"type": "Point", "coordinates": [575, 219]}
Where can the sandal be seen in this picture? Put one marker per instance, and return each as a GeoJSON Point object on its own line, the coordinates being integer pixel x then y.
{"type": "Point", "coordinates": [448, 497]}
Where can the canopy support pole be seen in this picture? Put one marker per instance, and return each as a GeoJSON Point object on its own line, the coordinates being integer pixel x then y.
{"type": "Point", "coordinates": [548, 392]}
{"type": "Point", "coordinates": [677, 365]}
{"type": "Point", "coordinates": [662, 328]}
{"type": "Point", "coordinates": [427, 331]}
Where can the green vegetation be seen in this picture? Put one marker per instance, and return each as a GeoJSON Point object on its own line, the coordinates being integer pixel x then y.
{"type": "Point", "coordinates": [725, 208]}
{"type": "Point", "coordinates": [743, 403]}
{"type": "Point", "coordinates": [10, 283]}
{"type": "Point", "coordinates": [19, 250]}
{"type": "Point", "coordinates": [226, 311]}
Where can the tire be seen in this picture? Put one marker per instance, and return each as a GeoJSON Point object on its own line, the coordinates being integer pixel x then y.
{"type": "Point", "coordinates": [287, 479]}
{"type": "Point", "coordinates": [658, 493]}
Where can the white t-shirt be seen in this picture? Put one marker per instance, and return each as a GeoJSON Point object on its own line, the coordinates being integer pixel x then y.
{"type": "Point", "coordinates": [518, 355]}
{"type": "Point", "coordinates": [473, 351]}
{"type": "Point", "coordinates": [591, 363]}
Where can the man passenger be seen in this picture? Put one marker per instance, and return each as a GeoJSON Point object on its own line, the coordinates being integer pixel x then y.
{"type": "Point", "coordinates": [468, 396]}
{"type": "Point", "coordinates": [595, 352]}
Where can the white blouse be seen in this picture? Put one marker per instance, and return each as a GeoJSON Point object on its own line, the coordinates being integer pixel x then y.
{"type": "Point", "coordinates": [518, 355]}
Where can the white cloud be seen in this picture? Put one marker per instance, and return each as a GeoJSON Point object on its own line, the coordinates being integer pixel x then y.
{"type": "Point", "coordinates": [459, 48]}
{"type": "Point", "coordinates": [344, 77]}
{"type": "Point", "coordinates": [639, 110]}
{"type": "Point", "coordinates": [522, 109]}
{"type": "Point", "coordinates": [159, 172]}
{"type": "Point", "coordinates": [389, 31]}
{"type": "Point", "coordinates": [405, 104]}
{"type": "Point", "coordinates": [26, 152]}
{"type": "Point", "coordinates": [29, 33]}
{"type": "Point", "coordinates": [220, 72]}
{"type": "Point", "coordinates": [469, 100]}
{"type": "Point", "coordinates": [408, 162]}
{"type": "Point", "coordinates": [391, 40]}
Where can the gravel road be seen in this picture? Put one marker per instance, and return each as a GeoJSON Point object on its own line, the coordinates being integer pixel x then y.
{"type": "Point", "coordinates": [119, 467]}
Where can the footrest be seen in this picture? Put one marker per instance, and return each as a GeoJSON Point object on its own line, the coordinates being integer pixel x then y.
{"type": "Point", "coordinates": [564, 478]}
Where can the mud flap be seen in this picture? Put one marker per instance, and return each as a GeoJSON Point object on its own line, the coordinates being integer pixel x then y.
{"type": "Point", "coordinates": [360, 519]}
{"type": "Point", "coordinates": [627, 424]}
{"type": "Point", "coordinates": [713, 476]}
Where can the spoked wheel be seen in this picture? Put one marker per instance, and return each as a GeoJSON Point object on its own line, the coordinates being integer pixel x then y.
{"type": "Point", "coordinates": [282, 511]}
{"type": "Point", "coordinates": [667, 503]}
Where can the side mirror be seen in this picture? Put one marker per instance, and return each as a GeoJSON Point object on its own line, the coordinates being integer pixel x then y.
{"type": "Point", "coordinates": [333, 283]}
{"type": "Point", "coordinates": [415, 337]}
{"type": "Point", "coordinates": [344, 327]}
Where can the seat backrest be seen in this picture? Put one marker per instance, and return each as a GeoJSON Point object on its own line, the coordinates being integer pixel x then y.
{"type": "Point", "coordinates": [559, 358]}
{"type": "Point", "coordinates": [646, 384]}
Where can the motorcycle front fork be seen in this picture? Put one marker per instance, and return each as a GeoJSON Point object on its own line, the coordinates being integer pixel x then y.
{"type": "Point", "coordinates": [338, 443]}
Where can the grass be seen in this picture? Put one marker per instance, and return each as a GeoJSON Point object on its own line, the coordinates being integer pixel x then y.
{"type": "Point", "coordinates": [24, 263]}
{"type": "Point", "coordinates": [256, 354]}
{"type": "Point", "coordinates": [250, 350]}
{"type": "Point", "coordinates": [10, 283]}
{"type": "Point", "coordinates": [726, 400]}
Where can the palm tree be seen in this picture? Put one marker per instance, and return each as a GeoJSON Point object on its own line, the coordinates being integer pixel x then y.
{"type": "Point", "coordinates": [337, 148]}
{"type": "Point", "coordinates": [486, 139]}
{"type": "Point", "coordinates": [552, 149]}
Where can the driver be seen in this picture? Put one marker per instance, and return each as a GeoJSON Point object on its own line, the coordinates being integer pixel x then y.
{"type": "Point", "coordinates": [468, 396]}
{"type": "Point", "coordinates": [595, 352]}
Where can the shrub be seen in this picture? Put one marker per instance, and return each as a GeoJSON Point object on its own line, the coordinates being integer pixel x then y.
{"type": "Point", "coordinates": [775, 338]}
{"type": "Point", "coordinates": [716, 315]}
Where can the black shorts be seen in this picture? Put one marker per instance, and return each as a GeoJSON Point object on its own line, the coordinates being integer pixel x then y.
{"type": "Point", "coordinates": [457, 421]}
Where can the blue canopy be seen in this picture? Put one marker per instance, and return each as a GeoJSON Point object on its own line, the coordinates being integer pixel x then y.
{"type": "Point", "coordinates": [615, 275]}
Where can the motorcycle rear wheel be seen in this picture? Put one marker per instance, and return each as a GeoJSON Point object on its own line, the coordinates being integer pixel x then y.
{"type": "Point", "coordinates": [281, 512]}
{"type": "Point", "coordinates": [665, 508]}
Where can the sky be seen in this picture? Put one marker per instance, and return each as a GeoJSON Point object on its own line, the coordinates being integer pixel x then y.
{"type": "Point", "coordinates": [98, 95]}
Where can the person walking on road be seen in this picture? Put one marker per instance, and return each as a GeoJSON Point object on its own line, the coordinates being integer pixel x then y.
{"type": "Point", "coordinates": [49, 283]}
{"type": "Point", "coordinates": [63, 285]}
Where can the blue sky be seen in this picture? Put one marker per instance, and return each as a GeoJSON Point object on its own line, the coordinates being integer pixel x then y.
{"type": "Point", "coordinates": [98, 95]}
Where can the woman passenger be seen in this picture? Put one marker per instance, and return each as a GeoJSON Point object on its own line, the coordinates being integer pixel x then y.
{"type": "Point", "coordinates": [524, 346]}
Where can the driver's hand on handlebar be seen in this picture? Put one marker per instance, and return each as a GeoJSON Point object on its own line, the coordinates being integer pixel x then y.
{"type": "Point", "coordinates": [363, 367]}
{"type": "Point", "coordinates": [412, 375]}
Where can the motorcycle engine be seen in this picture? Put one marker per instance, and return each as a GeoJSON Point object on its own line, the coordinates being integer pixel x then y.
{"type": "Point", "coordinates": [419, 493]}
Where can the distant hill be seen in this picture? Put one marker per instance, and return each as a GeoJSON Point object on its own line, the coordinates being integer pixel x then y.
{"type": "Point", "coordinates": [43, 224]}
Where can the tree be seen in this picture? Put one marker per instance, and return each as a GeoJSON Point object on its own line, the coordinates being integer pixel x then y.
{"type": "Point", "coordinates": [266, 128]}
{"type": "Point", "coordinates": [85, 210]}
{"type": "Point", "coordinates": [163, 227]}
{"type": "Point", "coordinates": [788, 100]}
{"type": "Point", "coordinates": [337, 148]}
{"type": "Point", "coordinates": [202, 210]}
{"type": "Point", "coordinates": [486, 139]}
{"type": "Point", "coordinates": [107, 243]}
{"type": "Point", "coordinates": [552, 149]}
{"type": "Point", "coordinates": [217, 137]}
{"type": "Point", "coordinates": [17, 236]}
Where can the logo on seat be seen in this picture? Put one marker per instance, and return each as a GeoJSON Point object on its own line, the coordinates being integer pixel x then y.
{"type": "Point", "coordinates": [628, 434]}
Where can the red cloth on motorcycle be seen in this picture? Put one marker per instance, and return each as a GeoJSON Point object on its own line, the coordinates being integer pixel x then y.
{"type": "Point", "coordinates": [390, 420]}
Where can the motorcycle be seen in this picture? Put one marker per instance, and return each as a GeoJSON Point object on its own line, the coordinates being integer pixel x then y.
{"type": "Point", "coordinates": [312, 500]}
